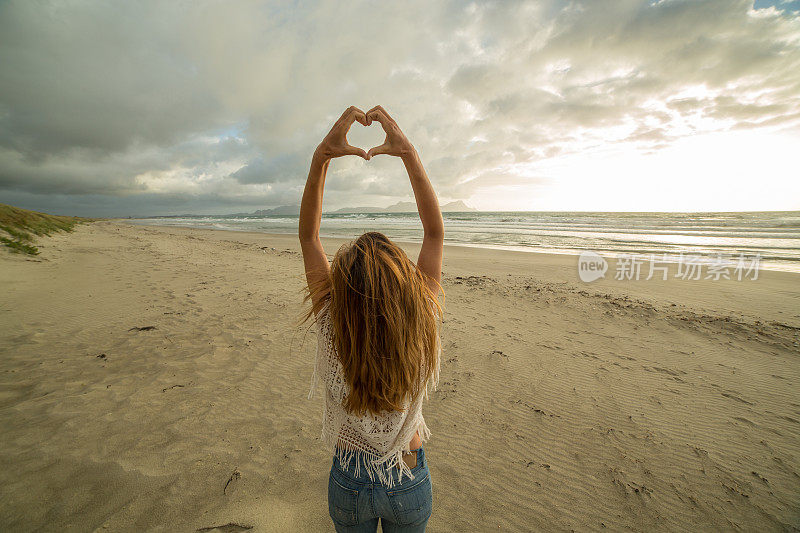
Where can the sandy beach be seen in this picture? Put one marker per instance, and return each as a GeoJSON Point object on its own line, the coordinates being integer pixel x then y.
{"type": "Point", "coordinates": [154, 379]}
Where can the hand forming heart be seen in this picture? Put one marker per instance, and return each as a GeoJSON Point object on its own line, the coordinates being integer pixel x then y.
{"type": "Point", "coordinates": [335, 143]}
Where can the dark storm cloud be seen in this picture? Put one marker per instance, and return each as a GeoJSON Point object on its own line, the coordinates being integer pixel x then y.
{"type": "Point", "coordinates": [281, 167]}
{"type": "Point", "coordinates": [98, 76]}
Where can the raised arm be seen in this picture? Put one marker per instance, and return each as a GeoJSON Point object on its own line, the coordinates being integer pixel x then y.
{"type": "Point", "coordinates": [333, 145]}
{"type": "Point", "coordinates": [396, 144]}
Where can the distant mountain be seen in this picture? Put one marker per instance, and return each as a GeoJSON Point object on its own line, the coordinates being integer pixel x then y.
{"type": "Point", "coordinates": [407, 207]}
{"type": "Point", "coordinates": [457, 207]}
{"type": "Point", "coordinates": [282, 210]}
{"type": "Point", "coordinates": [345, 210]}
{"type": "Point", "coordinates": [400, 207]}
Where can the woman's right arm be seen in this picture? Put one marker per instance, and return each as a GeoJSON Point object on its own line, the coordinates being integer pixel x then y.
{"type": "Point", "coordinates": [396, 144]}
{"type": "Point", "coordinates": [430, 255]}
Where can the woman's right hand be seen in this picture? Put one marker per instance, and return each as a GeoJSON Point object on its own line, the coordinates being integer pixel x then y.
{"type": "Point", "coordinates": [396, 143]}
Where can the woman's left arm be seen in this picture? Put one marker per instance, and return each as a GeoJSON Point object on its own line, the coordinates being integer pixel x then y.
{"type": "Point", "coordinates": [333, 145]}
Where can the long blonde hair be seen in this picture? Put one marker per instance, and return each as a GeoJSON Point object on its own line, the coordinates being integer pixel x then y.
{"type": "Point", "coordinates": [384, 317]}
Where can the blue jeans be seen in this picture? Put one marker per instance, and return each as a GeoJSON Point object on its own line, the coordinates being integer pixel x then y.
{"type": "Point", "coordinates": [356, 504]}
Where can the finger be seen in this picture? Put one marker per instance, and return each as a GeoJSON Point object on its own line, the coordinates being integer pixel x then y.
{"type": "Point", "coordinates": [379, 115]}
{"type": "Point", "coordinates": [345, 122]}
{"type": "Point", "coordinates": [361, 117]}
{"type": "Point", "coordinates": [346, 112]}
{"type": "Point", "coordinates": [340, 120]}
{"type": "Point", "coordinates": [352, 150]}
{"type": "Point", "coordinates": [378, 150]}
{"type": "Point", "coordinates": [381, 111]}
{"type": "Point", "coordinates": [356, 114]}
{"type": "Point", "coordinates": [376, 112]}
{"type": "Point", "coordinates": [349, 116]}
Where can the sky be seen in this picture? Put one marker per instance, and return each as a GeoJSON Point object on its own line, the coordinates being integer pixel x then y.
{"type": "Point", "coordinates": [158, 108]}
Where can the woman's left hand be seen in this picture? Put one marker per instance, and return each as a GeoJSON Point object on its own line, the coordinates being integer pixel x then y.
{"type": "Point", "coordinates": [335, 142]}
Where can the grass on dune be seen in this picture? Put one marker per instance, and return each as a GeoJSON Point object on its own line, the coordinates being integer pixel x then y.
{"type": "Point", "coordinates": [18, 227]}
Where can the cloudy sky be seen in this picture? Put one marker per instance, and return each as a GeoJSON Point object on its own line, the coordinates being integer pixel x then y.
{"type": "Point", "coordinates": [141, 108]}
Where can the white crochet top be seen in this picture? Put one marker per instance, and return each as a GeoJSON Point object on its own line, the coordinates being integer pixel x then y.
{"type": "Point", "coordinates": [377, 441]}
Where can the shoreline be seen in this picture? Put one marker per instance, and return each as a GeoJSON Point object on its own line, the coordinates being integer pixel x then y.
{"type": "Point", "coordinates": [765, 264]}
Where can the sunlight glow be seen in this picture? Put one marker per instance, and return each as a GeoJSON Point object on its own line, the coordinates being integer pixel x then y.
{"type": "Point", "coordinates": [721, 171]}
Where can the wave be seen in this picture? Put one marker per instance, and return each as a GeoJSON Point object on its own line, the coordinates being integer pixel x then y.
{"type": "Point", "coordinates": [775, 236]}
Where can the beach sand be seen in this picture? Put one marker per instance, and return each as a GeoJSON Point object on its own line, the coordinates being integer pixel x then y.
{"type": "Point", "coordinates": [615, 405]}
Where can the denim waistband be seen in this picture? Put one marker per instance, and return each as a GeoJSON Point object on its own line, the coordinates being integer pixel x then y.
{"type": "Point", "coordinates": [363, 476]}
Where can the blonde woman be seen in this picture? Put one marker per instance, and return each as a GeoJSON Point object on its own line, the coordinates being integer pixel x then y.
{"type": "Point", "coordinates": [377, 317]}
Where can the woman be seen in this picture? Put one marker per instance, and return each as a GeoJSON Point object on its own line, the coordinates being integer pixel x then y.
{"type": "Point", "coordinates": [377, 316]}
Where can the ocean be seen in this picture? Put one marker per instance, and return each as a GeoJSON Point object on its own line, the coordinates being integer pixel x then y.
{"type": "Point", "coordinates": [771, 236]}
